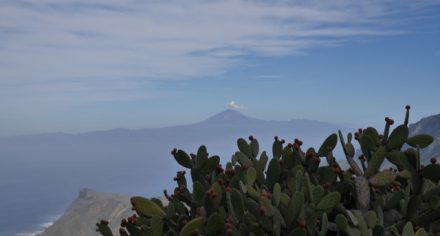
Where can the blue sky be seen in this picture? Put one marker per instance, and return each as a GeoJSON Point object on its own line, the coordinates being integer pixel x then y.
{"type": "Point", "coordinates": [76, 66]}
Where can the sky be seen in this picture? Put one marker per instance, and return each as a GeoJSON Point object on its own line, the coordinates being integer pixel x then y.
{"type": "Point", "coordinates": [77, 66]}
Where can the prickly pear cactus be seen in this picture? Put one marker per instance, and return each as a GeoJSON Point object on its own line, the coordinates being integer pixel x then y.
{"type": "Point", "coordinates": [295, 193]}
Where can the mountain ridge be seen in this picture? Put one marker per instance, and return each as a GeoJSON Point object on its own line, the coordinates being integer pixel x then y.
{"type": "Point", "coordinates": [228, 116]}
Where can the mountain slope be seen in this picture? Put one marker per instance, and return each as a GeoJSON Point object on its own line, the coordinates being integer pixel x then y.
{"type": "Point", "coordinates": [428, 125]}
{"type": "Point", "coordinates": [86, 210]}
{"type": "Point", "coordinates": [229, 116]}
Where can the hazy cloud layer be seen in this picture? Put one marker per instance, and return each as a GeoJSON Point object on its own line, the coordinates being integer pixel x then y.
{"type": "Point", "coordinates": [102, 50]}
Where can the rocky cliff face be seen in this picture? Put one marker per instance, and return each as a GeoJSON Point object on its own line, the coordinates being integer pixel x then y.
{"type": "Point", "coordinates": [86, 210]}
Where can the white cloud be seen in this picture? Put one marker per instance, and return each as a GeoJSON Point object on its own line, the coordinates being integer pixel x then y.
{"type": "Point", "coordinates": [130, 42]}
{"type": "Point", "coordinates": [234, 105]}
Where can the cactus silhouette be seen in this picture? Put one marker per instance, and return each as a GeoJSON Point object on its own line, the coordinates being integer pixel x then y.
{"type": "Point", "coordinates": [295, 193]}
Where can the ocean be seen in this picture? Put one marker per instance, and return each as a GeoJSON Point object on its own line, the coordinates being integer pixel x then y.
{"type": "Point", "coordinates": [34, 229]}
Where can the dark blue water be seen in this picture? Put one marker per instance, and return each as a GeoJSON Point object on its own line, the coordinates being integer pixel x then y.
{"type": "Point", "coordinates": [34, 190]}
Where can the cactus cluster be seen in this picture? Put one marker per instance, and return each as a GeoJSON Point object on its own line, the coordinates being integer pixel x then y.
{"type": "Point", "coordinates": [295, 193]}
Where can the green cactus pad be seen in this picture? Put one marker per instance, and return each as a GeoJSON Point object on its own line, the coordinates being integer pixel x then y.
{"type": "Point", "coordinates": [279, 222]}
{"type": "Point", "coordinates": [349, 137]}
{"type": "Point", "coordinates": [421, 232]}
{"type": "Point", "coordinates": [399, 159]}
{"type": "Point", "coordinates": [170, 210]}
{"type": "Point", "coordinates": [146, 207]}
{"type": "Point", "coordinates": [298, 181]}
{"type": "Point", "coordinates": [267, 204]}
{"type": "Point", "coordinates": [367, 144]}
{"type": "Point", "coordinates": [326, 174]}
{"type": "Point", "coordinates": [263, 160]}
{"type": "Point", "coordinates": [255, 148]}
{"type": "Point", "coordinates": [398, 137]}
{"type": "Point", "coordinates": [273, 173]}
{"type": "Point", "coordinates": [393, 200]}
{"type": "Point", "coordinates": [193, 226]}
{"type": "Point", "coordinates": [219, 193]}
{"type": "Point", "coordinates": [244, 147]}
{"type": "Point", "coordinates": [342, 223]}
{"type": "Point", "coordinates": [294, 208]}
{"type": "Point", "coordinates": [158, 202]}
{"type": "Point", "coordinates": [328, 145]}
{"type": "Point", "coordinates": [363, 227]}
{"type": "Point", "coordinates": [276, 195]}
{"type": "Point", "coordinates": [317, 192]}
{"type": "Point", "coordinates": [252, 192]}
{"type": "Point", "coordinates": [378, 230]}
{"type": "Point", "coordinates": [371, 219]}
{"type": "Point", "coordinates": [210, 164]}
{"type": "Point", "coordinates": [382, 178]}
{"type": "Point", "coordinates": [307, 188]}
{"type": "Point", "coordinates": [408, 229]}
{"type": "Point", "coordinates": [215, 225]}
{"type": "Point", "coordinates": [405, 174]}
{"type": "Point", "coordinates": [373, 134]}
{"type": "Point", "coordinates": [375, 162]}
{"type": "Point", "coordinates": [277, 149]}
{"type": "Point", "coordinates": [104, 229]}
{"type": "Point", "coordinates": [198, 192]}
{"type": "Point", "coordinates": [351, 231]}
{"type": "Point", "coordinates": [324, 225]}
{"type": "Point", "coordinates": [344, 187]}
{"type": "Point", "coordinates": [421, 140]}
{"type": "Point", "coordinates": [201, 157]}
{"type": "Point", "coordinates": [237, 203]}
{"type": "Point", "coordinates": [411, 157]}
{"type": "Point", "coordinates": [298, 232]}
{"type": "Point", "coordinates": [251, 175]}
{"type": "Point", "coordinates": [156, 225]}
{"type": "Point", "coordinates": [435, 191]}
{"type": "Point", "coordinates": [432, 172]}
{"type": "Point", "coordinates": [428, 217]}
{"type": "Point", "coordinates": [349, 148]}
{"type": "Point", "coordinates": [183, 159]}
{"type": "Point", "coordinates": [243, 159]}
{"type": "Point", "coordinates": [284, 199]}
{"type": "Point", "coordinates": [288, 157]}
{"type": "Point", "coordinates": [202, 152]}
{"type": "Point", "coordinates": [329, 201]}
{"type": "Point", "coordinates": [413, 206]}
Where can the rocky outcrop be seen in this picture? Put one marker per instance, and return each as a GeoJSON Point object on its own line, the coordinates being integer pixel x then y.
{"type": "Point", "coordinates": [86, 210]}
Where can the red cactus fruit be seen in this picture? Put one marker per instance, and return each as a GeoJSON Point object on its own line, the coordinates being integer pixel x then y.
{"type": "Point", "coordinates": [302, 223]}
{"type": "Point", "coordinates": [263, 210]}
